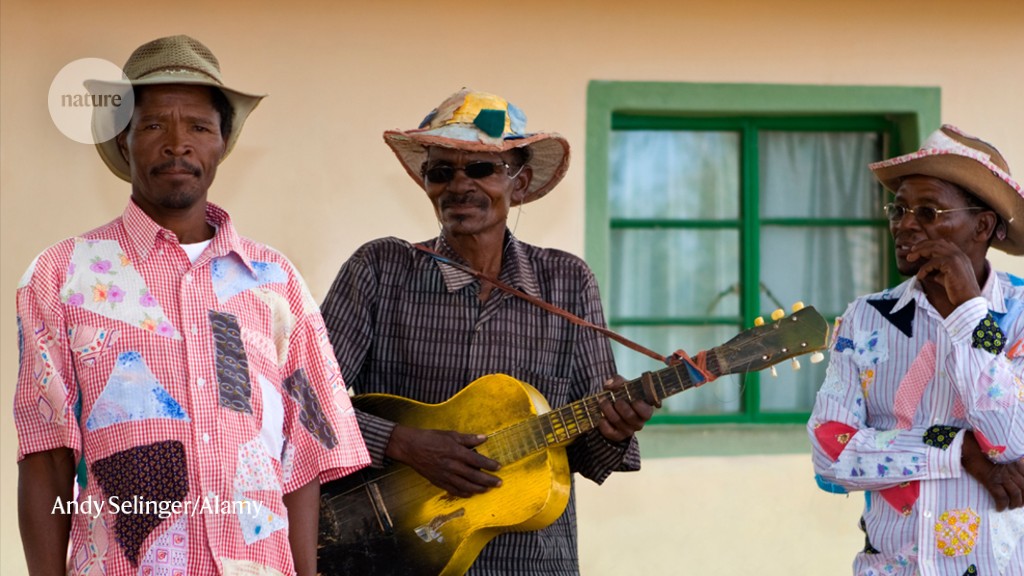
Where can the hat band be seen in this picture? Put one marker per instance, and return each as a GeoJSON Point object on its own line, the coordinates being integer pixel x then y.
{"type": "Point", "coordinates": [180, 69]}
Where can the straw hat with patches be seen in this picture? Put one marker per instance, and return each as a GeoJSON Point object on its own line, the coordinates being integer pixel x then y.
{"type": "Point", "coordinates": [974, 165]}
{"type": "Point", "coordinates": [171, 60]}
{"type": "Point", "coordinates": [481, 122]}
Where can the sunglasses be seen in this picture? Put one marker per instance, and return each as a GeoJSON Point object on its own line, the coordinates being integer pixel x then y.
{"type": "Point", "coordinates": [924, 214]}
{"type": "Point", "coordinates": [442, 173]}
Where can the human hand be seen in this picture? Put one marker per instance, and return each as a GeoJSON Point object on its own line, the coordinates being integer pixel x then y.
{"type": "Point", "coordinates": [947, 265]}
{"type": "Point", "coordinates": [622, 418]}
{"type": "Point", "coordinates": [446, 458]}
{"type": "Point", "coordinates": [1004, 482]}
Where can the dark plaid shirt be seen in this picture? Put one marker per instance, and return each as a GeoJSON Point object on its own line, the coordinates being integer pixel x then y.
{"type": "Point", "coordinates": [402, 323]}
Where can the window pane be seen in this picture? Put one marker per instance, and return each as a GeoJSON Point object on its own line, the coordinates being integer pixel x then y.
{"type": "Point", "coordinates": [824, 267]}
{"type": "Point", "coordinates": [674, 174]}
{"type": "Point", "coordinates": [719, 397]}
{"type": "Point", "coordinates": [819, 174]}
{"type": "Point", "coordinates": [792, 390]}
{"type": "Point", "coordinates": [662, 273]}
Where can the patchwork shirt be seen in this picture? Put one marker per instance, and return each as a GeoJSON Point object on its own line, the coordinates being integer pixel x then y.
{"type": "Point", "coordinates": [194, 396]}
{"type": "Point", "coordinates": [902, 386]}
{"type": "Point", "coordinates": [402, 323]}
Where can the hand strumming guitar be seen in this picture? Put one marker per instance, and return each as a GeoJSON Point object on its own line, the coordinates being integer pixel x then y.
{"type": "Point", "coordinates": [446, 458]}
{"type": "Point", "coordinates": [622, 418]}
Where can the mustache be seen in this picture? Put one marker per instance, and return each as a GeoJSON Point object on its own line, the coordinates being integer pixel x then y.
{"type": "Point", "coordinates": [449, 200]}
{"type": "Point", "coordinates": [176, 164]}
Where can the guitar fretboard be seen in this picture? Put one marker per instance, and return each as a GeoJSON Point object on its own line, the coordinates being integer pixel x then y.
{"type": "Point", "coordinates": [565, 424]}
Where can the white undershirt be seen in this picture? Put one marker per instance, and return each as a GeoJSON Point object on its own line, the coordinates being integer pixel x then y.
{"type": "Point", "coordinates": [194, 250]}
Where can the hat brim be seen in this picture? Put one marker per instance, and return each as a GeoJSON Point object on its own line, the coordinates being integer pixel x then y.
{"type": "Point", "coordinates": [549, 159]}
{"type": "Point", "coordinates": [986, 181]}
{"type": "Point", "coordinates": [241, 102]}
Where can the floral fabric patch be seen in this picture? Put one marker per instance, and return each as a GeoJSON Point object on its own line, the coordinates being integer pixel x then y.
{"type": "Point", "coordinates": [103, 280]}
{"type": "Point", "coordinates": [282, 322]}
{"type": "Point", "coordinates": [168, 555]}
{"type": "Point", "coordinates": [956, 531]}
{"type": "Point", "coordinates": [940, 436]}
{"type": "Point", "coordinates": [231, 277]}
{"type": "Point", "coordinates": [1006, 532]}
{"type": "Point", "coordinates": [257, 520]}
{"type": "Point", "coordinates": [869, 348]}
{"type": "Point", "coordinates": [90, 558]}
{"type": "Point", "coordinates": [232, 364]}
{"type": "Point", "coordinates": [255, 471]}
{"type": "Point", "coordinates": [132, 393]}
{"type": "Point", "coordinates": [52, 389]}
{"type": "Point", "coordinates": [311, 414]}
{"type": "Point", "coordinates": [903, 497]}
{"type": "Point", "coordinates": [88, 342]}
{"type": "Point", "coordinates": [988, 336]}
{"type": "Point", "coordinates": [153, 473]}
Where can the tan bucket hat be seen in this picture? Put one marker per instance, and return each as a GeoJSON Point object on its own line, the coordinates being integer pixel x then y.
{"type": "Point", "coordinates": [171, 60]}
{"type": "Point", "coordinates": [481, 122]}
{"type": "Point", "coordinates": [971, 163]}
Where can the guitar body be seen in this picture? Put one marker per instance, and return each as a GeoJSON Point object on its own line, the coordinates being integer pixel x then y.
{"type": "Point", "coordinates": [393, 521]}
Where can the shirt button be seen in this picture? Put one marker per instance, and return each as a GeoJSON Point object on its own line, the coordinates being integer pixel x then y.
{"type": "Point", "coordinates": [927, 514]}
{"type": "Point", "coordinates": [195, 330]}
{"type": "Point", "coordinates": [188, 277]}
{"type": "Point", "coordinates": [160, 251]}
{"type": "Point", "coordinates": [206, 437]}
{"type": "Point", "coordinates": [201, 381]}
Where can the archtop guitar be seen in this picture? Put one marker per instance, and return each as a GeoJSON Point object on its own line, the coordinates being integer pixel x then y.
{"type": "Point", "coordinates": [392, 521]}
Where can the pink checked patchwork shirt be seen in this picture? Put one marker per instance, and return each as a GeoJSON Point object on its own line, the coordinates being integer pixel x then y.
{"type": "Point", "coordinates": [902, 385]}
{"type": "Point", "coordinates": [193, 396]}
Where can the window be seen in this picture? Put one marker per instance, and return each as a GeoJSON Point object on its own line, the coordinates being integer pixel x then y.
{"type": "Point", "coordinates": [738, 200]}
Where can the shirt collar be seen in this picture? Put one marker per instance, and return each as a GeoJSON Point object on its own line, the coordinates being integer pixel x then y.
{"type": "Point", "coordinates": [516, 270]}
{"type": "Point", "coordinates": [143, 233]}
{"type": "Point", "coordinates": [910, 290]}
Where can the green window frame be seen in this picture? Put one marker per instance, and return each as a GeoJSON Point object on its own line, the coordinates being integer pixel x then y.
{"type": "Point", "coordinates": [904, 114]}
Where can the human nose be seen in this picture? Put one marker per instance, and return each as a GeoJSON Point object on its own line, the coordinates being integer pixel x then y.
{"type": "Point", "coordinates": [177, 142]}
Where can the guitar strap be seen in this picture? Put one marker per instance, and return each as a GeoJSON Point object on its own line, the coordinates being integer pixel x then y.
{"type": "Point", "coordinates": [698, 364]}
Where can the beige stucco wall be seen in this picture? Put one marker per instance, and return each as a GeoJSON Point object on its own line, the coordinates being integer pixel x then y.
{"type": "Point", "coordinates": [312, 177]}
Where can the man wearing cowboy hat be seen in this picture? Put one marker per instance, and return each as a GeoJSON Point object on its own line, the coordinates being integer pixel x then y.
{"type": "Point", "coordinates": [923, 402]}
{"type": "Point", "coordinates": [404, 323]}
{"type": "Point", "coordinates": [178, 367]}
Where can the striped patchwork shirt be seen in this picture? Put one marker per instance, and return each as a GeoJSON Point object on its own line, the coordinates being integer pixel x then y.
{"type": "Point", "coordinates": [902, 385]}
{"type": "Point", "coordinates": [193, 395]}
{"type": "Point", "coordinates": [404, 324]}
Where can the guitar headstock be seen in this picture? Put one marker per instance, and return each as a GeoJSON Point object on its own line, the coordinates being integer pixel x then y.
{"type": "Point", "coordinates": [803, 332]}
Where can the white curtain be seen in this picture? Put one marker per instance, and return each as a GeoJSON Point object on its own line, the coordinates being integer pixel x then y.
{"type": "Point", "coordinates": [694, 271]}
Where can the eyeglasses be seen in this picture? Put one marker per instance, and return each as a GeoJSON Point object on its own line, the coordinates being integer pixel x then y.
{"type": "Point", "coordinates": [924, 214]}
{"type": "Point", "coordinates": [441, 173]}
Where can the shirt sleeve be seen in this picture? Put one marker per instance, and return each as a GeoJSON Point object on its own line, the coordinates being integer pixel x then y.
{"type": "Point", "coordinates": [988, 381]}
{"type": "Point", "coordinates": [320, 423]}
{"type": "Point", "coordinates": [45, 395]}
{"type": "Point", "coordinates": [848, 451]}
{"type": "Point", "coordinates": [348, 316]}
{"type": "Point", "coordinates": [593, 455]}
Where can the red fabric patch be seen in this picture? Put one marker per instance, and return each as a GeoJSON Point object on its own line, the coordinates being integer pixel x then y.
{"type": "Point", "coordinates": [986, 446]}
{"type": "Point", "coordinates": [833, 437]}
{"type": "Point", "coordinates": [902, 497]}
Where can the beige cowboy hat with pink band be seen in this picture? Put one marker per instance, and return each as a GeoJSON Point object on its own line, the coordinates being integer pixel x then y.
{"type": "Point", "coordinates": [974, 165]}
{"type": "Point", "coordinates": [481, 122]}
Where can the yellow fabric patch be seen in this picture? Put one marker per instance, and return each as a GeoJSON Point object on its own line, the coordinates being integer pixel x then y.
{"type": "Point", "coordinates": [246, 568]}
{"type": "Point", "coordinates": [474, 103]}
{"type": "Point", "coordinates": [956, 531]}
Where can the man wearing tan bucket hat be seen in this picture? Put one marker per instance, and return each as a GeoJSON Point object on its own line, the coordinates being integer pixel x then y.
{"type": "Point", "coordinates": [177, 367]}
{"type": "Point", "coordinates": [923, 402]}
{"type": "Point", "coordinates": [413, 321]}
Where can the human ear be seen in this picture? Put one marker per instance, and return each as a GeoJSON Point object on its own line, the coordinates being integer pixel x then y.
{"type": "Point", "coordinates": [521, 184]}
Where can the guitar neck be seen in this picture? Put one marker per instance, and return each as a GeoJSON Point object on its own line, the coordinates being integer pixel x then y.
{"type": "Point", "coordinates": [563, 425]}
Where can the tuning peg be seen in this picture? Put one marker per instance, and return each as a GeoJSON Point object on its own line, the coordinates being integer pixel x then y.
{"type": "Point", "coordinates": [759, 321]}
{"type": "Point", "coordinates": [817, 357]}
{"type": "Point", "coordinates": [796, 364]}
{"type": "Point", "coordinates": [778, 314]}
{"type": "Point", "coordinates": [775, 373]}
{"type": "Point", "coordinates": [797, 306]}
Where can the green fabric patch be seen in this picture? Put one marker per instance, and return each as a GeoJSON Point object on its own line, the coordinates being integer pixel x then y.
{"type": "Point", "coordinates": [491, 121]}
{"type": "Point", "coordinates": [988, 336]}
{"type": "Point", "coordinates": [940, 436]}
